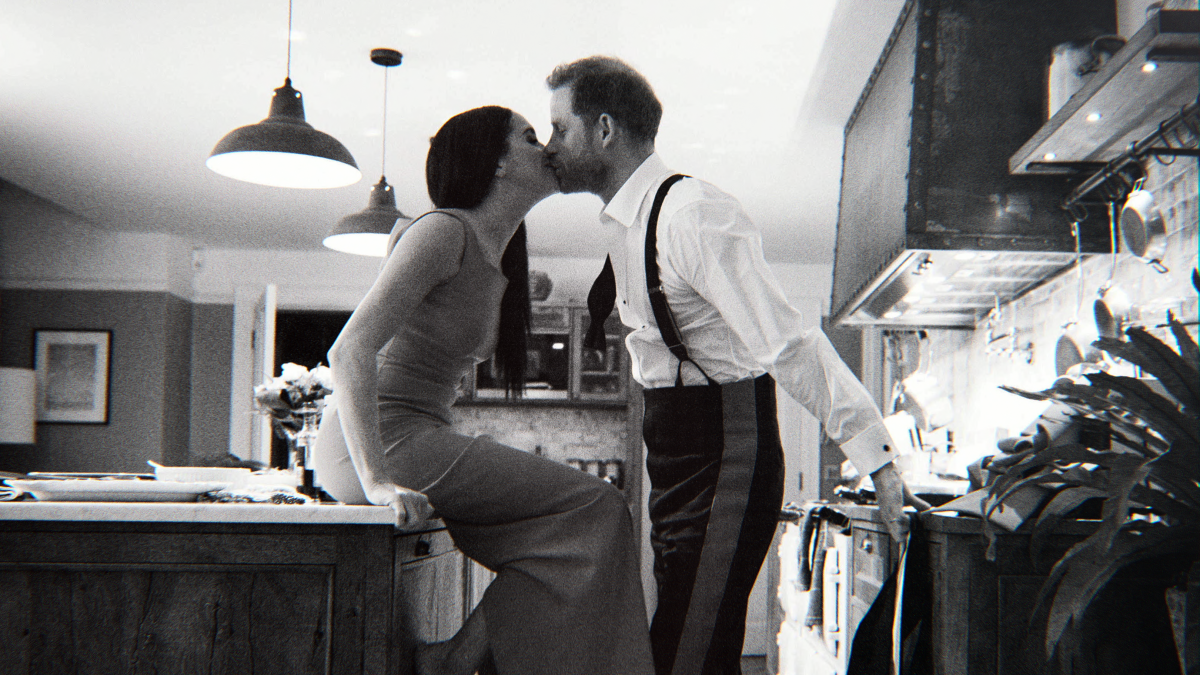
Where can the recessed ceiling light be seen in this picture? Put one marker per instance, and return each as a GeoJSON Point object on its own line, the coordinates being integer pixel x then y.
{"type": "Point", "coordinates": [1149, 67]}
{"type": "Point", "coordinates": [964, 255]}
{"type": "Point", "coordinates": [893, 314]}
{"type": "Point", "coordinates": [1049, 156]}
{"type": "Point", "coordinates": [1094, 117]}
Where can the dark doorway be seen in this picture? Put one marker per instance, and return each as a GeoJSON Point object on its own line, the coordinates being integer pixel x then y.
{"type": "Point", "coordinates": [303, 337]}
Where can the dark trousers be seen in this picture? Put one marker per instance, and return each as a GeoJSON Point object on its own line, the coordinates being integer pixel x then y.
{"type": "Point", "coordinates": [716, 475]}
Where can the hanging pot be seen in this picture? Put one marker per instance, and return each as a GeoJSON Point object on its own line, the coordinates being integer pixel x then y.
{"type": "Point", "coordinates": [1143, 229]}
{"type": "Point", "coordinates": [1112, 311]}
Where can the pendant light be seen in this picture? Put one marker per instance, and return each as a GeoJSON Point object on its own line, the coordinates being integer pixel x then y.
{"type": "Point", "coordinates": [367, 232]}
{"type": "Point", "coordinates": [283, 150]}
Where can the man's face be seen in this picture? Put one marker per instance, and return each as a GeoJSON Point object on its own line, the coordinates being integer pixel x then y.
{"type": "Point", "coordinates": [574, 148]}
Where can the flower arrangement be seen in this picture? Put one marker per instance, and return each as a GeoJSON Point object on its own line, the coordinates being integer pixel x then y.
{"type": "Point", "coordinates": [294, 392]}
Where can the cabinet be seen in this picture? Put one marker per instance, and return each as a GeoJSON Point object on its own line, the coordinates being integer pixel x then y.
{"type": "Point", "coordinates": [559, 368]}
{"type": "Point", "coordinates": [429, 590]}
{"type": "Point", "coordinates": [206, 597]}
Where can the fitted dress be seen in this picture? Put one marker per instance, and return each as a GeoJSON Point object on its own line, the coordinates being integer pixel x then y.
{"type": "Point", "coordinates": [567, 597]}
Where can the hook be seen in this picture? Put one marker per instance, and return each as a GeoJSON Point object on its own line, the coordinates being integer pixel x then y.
{"type": "Point", "coordinates": [1079, 213]}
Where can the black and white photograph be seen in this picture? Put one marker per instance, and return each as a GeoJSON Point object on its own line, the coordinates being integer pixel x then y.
{"type": "Point", "coordinates": [654, 337]}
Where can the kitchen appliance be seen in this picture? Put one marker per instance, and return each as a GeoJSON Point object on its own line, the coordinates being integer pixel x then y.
{"type": "Point", "coordinates": [932, 228]}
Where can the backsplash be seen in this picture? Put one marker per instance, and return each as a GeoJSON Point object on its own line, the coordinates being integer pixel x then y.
{"type": "Point", "coordinates": [558, 433]}
{"type": "Point", "coordinates": [972, 364]}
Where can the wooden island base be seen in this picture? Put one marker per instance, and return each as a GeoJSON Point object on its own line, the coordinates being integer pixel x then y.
{"type": "Point", "coordinates": [105, 595]}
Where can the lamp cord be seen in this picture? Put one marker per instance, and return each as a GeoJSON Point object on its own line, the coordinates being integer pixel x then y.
{"type": "Point", "coordinates": [289, 42]}
{"type": "Point", "coordinates": [383, 142]}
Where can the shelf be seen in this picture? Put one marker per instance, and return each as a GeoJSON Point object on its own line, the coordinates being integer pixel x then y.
{"type": "Point", "coordinates": [1150, 79]}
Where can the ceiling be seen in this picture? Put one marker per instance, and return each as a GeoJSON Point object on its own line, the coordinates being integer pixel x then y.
{"type": "Point", "coordinates": [109, 108]}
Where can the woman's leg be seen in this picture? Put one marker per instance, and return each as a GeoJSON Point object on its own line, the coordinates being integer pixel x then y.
{"type": "Point", "coordinates": [567, 598]}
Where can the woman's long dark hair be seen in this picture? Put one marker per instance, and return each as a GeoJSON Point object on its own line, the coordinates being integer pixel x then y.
{"type": "Point", "coordinates": [459, 171]}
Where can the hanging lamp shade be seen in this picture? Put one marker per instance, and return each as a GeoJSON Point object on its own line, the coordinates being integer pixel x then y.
{"type": "Point", "coordinates": [284, 150]}
{"type": "Point", "coordinates": [367, 232]}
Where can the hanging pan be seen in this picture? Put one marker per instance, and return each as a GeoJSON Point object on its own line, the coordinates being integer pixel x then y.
{"type": "Point", "coordinates": [1143, 229]}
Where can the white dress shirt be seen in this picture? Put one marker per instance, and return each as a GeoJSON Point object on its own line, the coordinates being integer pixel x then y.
{"type": "Point", "coordinates": [732, 314]}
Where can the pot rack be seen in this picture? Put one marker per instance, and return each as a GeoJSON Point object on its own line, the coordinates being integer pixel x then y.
{"type": "Point", "coordinates": [1175, 137]}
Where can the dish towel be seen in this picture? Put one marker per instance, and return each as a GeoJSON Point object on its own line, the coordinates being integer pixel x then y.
{"type": "Point", "coordinates": [887, 644]}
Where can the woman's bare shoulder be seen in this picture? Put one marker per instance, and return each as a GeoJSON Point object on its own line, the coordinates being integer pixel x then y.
{"type": "Point", "coordinates": [437, 231]}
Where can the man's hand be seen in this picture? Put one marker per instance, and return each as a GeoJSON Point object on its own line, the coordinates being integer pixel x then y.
{"type": "Point", "coordinates": [892, 494]}
{"type": "Point", "coordinates": [412, 508]}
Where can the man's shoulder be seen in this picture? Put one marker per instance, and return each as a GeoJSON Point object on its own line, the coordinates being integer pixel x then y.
{"type": "Point", "coordinates": [702, 200]}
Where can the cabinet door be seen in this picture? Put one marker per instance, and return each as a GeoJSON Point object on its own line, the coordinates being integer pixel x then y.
{"type": "Point", "coordinates": [429, 598]}
{"type": "Point", "coordinates": [870, 564]}
{"type": "Point", "coordinates": [599, 376]}
{"type": "Point", "coordinates": [166, 618]}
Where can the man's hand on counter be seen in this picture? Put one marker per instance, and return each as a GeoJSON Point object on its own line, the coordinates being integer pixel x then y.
{"type": "Point", "coordinates": [892, 494]}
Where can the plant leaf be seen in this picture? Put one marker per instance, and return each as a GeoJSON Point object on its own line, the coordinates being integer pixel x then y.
{"type": "Point", "coordinates": [1158, 412]}
{"type": "Point", "coordinates": [1054, 512]}
{"type": "Point", "coordinates": [1084, 570]}
{"type": "Point", "coordinates": [1188, 350]}
{"type": "Point", "coordinates": [1155, 357]}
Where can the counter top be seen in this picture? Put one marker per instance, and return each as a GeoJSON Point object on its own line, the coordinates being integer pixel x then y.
{"type": "Point", "coordinates": [197, 512]}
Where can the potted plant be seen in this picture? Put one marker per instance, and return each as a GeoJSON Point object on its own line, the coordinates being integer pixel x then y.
{"type": "Point", "coordinates": [1141, 458]}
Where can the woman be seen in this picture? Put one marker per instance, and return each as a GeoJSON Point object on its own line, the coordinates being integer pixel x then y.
{"type": "Point", "coordinates": [567, 597]}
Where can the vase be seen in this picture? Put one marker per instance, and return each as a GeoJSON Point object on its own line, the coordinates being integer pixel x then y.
{"type": "Point", "coordinates": [300, 444]}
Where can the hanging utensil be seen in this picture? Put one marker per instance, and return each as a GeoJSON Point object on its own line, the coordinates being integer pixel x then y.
{"type": "Point", "coordinates": [1111, 310]}
{"type": "Point", "coordinates": [1143, 229]}
{"type": "Point", "coordinates": [1073, 347]}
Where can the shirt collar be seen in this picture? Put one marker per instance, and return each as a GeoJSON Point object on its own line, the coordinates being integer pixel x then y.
{"type": "Point", "coordinates": [624, 206]}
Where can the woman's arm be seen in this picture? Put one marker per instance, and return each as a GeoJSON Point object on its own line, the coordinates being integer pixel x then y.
{"type": "Point", "coordinates": [429, 253]}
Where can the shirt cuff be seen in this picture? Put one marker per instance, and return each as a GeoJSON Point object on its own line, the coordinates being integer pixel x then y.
{"type": "Point", "coordinates": [870, 449]}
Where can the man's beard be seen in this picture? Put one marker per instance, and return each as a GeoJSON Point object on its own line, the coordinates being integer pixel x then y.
{"type": "Point", "coordinates": [585, 175]}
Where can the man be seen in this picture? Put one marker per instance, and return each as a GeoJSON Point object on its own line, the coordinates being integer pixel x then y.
{"type": "Point", "coordinates": [714, 457]}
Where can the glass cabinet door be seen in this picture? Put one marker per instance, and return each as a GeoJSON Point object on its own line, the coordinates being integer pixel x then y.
{"type": "Point", "coordinates": [558, 366]}
{"type": "Point", "coordinates": [601, 375]}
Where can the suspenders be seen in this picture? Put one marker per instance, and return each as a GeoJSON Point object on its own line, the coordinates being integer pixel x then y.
{"type": "Point", "coordinates": [658, 299]}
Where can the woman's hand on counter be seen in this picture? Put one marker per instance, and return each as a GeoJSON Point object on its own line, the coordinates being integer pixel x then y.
{"type": "Point", "coordinates": [412, 508]}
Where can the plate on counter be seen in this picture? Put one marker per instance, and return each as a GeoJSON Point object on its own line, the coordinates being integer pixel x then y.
{"type": "Point", "coordinates": [102, 490]}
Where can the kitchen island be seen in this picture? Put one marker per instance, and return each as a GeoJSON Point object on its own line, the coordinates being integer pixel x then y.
{"type": "Point", "coordinates": [978, 610]}
{"type": "Point", "coordinates": [95, 587]}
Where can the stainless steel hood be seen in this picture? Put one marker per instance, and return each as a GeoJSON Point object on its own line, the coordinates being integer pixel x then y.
{"type": "Point", "coordinates": [933, 230]}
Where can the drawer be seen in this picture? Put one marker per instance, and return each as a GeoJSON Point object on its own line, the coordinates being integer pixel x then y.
{"type": "Point", "coordinates": [870, 557]}
{"type": "Point", "coordinates": [417, 546]}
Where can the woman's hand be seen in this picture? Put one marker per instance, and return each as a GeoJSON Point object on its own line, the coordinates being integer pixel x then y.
{"type": "Point", "coordinates": [411, 507]}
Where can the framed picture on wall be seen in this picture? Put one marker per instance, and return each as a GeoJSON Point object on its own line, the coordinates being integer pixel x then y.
{"type": "Point", "coordinates": [73, 368]}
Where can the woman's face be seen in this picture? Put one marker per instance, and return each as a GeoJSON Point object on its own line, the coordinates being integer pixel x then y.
{"type": "Point", "coordinates": [525, 164]}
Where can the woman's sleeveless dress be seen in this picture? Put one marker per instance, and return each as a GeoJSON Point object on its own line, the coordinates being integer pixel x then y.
{"type": "Point", "coordinates": [567, 597]}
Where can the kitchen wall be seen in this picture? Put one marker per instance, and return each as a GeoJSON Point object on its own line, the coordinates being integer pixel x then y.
{"type": "Point", "coordinates": [971, 367]}
{"type": "Point", "coordinates": [179, 319]}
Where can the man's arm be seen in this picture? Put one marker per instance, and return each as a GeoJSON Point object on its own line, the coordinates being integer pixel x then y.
{"type": "Point", "coordinates": [729, 271]}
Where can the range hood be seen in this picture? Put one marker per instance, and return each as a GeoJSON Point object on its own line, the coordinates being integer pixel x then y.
{"type": "Point", "coordinates": [933, 230]}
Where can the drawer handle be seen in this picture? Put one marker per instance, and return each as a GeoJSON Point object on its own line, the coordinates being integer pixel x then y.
{"type": "Point", "coordinates": [422, 547]}
{"type": "Point", "coordinates": [868, 545]}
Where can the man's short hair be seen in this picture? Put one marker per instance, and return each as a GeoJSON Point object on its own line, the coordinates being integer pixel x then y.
{"type": "Point", "coordinates": [604, 84]}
